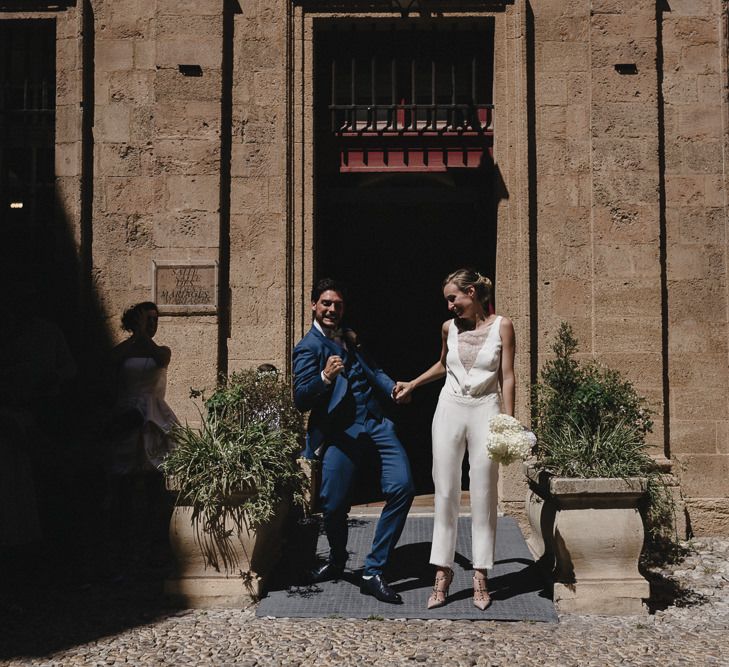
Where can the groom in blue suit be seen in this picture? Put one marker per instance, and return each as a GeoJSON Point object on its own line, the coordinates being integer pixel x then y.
{"type": "Point", "coordinates": [345, 393]}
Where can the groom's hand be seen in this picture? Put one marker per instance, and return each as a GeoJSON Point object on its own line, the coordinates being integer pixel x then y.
{"type": "Point", "coordinates": [334, 367]}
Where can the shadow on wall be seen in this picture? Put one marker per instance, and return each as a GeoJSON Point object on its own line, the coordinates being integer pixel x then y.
{"type": "Point", "coordinates": [55, 536]}
{"type": "Point", "coordinates": [60, 586]}
{"type": "Point", "coordinates": [54, 396]}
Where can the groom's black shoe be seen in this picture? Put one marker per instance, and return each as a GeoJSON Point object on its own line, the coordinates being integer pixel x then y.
{"type": "Point", "coordinates": [325, 572]}
{"type": "Point", "coordinates": [378, 587]}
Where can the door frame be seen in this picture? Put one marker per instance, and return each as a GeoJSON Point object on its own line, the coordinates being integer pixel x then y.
{"type": "Point", "coordinates": [510, 154]}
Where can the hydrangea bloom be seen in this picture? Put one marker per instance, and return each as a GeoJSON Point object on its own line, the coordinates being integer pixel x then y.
{"type": "Point", "coordinates": [509, 440]}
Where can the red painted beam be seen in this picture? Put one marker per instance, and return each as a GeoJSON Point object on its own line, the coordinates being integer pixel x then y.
{"type": "Point", "coordinates": [411, 159]}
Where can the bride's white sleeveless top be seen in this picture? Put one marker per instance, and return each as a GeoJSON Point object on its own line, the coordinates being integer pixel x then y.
{"type": "Point", "coordinates": [483, 377]}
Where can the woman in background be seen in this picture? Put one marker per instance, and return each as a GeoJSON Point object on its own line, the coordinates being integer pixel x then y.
{"type": "Point", "coordinates": [139, 431]}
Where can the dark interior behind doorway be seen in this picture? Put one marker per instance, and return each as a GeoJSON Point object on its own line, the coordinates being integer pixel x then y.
{"type": "Point", "coordinates": [392, 239]}
{"type": "Point", "coordinates": [406, 189]}
{"type": "Point", "coordinates": [27, 152]}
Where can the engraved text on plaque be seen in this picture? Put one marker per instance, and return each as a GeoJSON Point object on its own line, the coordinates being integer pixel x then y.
{"type": "Point", "coordinates": [186, 288]}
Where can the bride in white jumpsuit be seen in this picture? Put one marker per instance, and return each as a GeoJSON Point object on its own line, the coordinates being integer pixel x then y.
{"type": "Point", "coordinates": [477, 360]}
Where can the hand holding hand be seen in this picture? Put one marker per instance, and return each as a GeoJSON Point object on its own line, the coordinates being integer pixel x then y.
{"type": "Point", "coordinates": [334, 367]}
{"type": "Point", "coordinates": [403, 392]}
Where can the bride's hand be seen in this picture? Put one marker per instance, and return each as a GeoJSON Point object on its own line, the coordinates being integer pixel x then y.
{"type": "Point", "coordinates": [403, 392]}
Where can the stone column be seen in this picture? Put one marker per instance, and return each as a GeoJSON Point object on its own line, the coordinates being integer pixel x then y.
{"type": "Point", "coordinates": [625, 188]}
{"type": "Point", "coordinates": [513, 269]}
{"type": "Point", "coordinates": [183, 160]}
{"type": "Point", "coordinates": [156, 173]}
{"type": "Point", "coordinates": [563, 181]}
{"type": "Point", "coordinates": [696, 93]}
{"type": "Point", "coordinates": [258, 190]}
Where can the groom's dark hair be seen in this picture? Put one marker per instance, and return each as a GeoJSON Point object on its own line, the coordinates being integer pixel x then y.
{"type": "Point", "coordinates": [326, 284]}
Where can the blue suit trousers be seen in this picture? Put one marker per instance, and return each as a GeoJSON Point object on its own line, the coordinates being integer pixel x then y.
{"type": "Point", "coordinates": [340, 460]}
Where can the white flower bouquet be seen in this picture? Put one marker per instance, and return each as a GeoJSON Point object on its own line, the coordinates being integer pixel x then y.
{"type": "Point", "coordinates": [509, 440]}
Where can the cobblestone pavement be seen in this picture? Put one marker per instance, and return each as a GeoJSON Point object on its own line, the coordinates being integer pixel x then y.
{"type": "Point", "coordinates": [689, 626]}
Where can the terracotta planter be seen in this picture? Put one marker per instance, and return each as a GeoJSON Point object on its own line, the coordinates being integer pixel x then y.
{"type": "Point", "coordinates": [227, 571]}
{"type": "Point", "coordinates": [588, 533]}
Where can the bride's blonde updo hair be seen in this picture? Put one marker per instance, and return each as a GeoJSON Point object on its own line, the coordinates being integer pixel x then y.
{"type": "Point", "coordinates": [465, 278]}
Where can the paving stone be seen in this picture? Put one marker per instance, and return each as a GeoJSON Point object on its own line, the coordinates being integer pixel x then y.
{"type": "Point", "coordinates": [692, 629]}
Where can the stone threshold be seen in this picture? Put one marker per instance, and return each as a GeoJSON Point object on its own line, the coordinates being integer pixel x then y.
{"type": "Point", "coordinates": [422, 506]}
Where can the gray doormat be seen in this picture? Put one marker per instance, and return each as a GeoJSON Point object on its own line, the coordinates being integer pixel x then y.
{"type": "Point", "coordinates": [518, 590]}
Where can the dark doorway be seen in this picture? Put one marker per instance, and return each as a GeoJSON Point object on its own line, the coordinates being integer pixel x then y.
{"type": "Point", "coordinates": [406, 190]}
{"type": "Point", "coordinates": [392, 239]}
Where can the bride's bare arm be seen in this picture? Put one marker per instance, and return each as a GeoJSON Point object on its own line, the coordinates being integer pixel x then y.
{"type": "Point", "coordinates": [506, 370]}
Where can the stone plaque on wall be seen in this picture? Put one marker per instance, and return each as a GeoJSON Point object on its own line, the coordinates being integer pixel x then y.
{"type": "Point", "coordinates": [185, 287]}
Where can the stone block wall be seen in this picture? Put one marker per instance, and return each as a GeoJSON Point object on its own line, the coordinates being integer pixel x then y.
{"type": "Point", "coordinates": [599, 183]}
{"type": "Point", "coordinates": [157, 165]}
{"type": "Point", "coordinates": [512, 277]}
{"type": "Point", "coordinates": [69, 62]}
{"type": "Point", "coordinates": [562, 131]}
{"type": "Point", "coordinates": [258, 188]}
{"type": "Point", "coordinates": [695, 97]}
{"type": "Point", "coordinates": [628, 190]}
{"type": "Point", "coordinates": [611, 148]}
{"type": "Point", "coordinates": [625, 204]}
{"type": "Point", "coordinates": [597, 186]}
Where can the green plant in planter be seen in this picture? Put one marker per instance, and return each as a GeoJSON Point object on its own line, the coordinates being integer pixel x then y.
{"type": "Point", "coordinates": [256, 397]}
{"type": "Point", "coordinates": [584, 397]}
{"type": "Point", "coordinates": [241, 462]}
{"type": "Point", "coordinates": [576, 450]}
{"type": "Point", "coordinates": [591, 422]}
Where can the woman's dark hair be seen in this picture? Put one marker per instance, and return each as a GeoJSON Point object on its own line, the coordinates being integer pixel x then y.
{"type": "Point", "coordinates": [326, 284]}
{"type": "Point", "coordinates": [131, 315]}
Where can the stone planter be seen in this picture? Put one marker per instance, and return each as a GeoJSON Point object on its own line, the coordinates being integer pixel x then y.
{"type": "Point", "coordinates": [221, 572]}
{"type": "Point", "coordinates": [588, 533]}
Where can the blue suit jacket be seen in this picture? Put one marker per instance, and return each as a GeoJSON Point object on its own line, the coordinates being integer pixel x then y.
{"type": "Point", "coordinates": [332, 406]}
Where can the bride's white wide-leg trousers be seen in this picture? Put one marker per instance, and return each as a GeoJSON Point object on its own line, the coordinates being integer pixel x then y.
{"type": "Point", "coordinates": [460, 422]}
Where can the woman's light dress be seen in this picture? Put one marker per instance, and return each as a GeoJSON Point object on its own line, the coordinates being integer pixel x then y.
{"type": "Point", "coordinates": [142, 387]}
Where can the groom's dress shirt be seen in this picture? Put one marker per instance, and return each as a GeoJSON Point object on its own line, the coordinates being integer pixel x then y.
{"type": "Point", "coordinates": [337, 335]}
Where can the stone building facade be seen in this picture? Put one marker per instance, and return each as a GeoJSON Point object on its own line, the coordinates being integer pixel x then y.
{"type": "Point", "coordinates": [210, 146]}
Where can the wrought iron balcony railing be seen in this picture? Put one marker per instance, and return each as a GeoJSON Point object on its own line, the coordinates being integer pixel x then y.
{"type": "Point", "coordinates": [411, 119]}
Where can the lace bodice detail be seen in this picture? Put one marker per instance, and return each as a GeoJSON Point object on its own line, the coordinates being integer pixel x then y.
{"type": "Point", "coordinates": [478, 374]}
{"type": "Point", "coordinates": [470, 344]}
